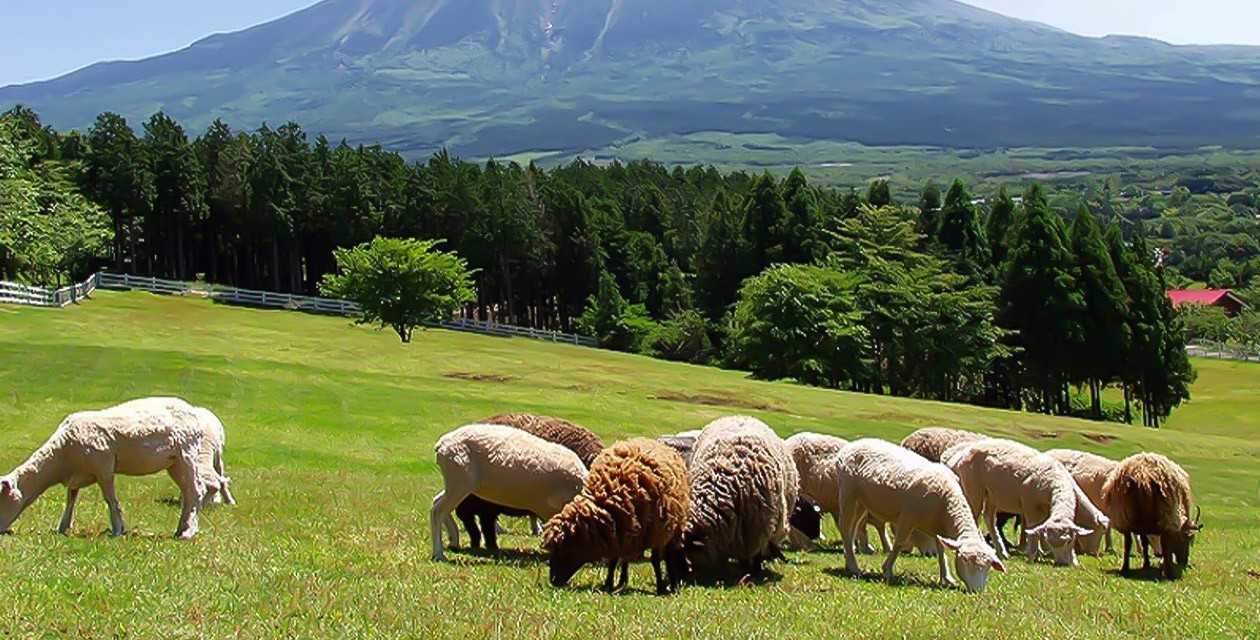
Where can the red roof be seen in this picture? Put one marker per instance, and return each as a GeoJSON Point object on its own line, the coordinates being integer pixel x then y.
{"type": "Point", "coordinates": [1205, 297]}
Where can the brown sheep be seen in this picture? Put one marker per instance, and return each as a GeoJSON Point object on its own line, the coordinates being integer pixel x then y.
{"type": "Point", "coordinates": [931, 442]}
{"type": "Point", "coordinates": [576, 438]}
{"type": "Point", "coordinates": [635, 499]}
{"type": "Point", "coordinates": [1148, 494]}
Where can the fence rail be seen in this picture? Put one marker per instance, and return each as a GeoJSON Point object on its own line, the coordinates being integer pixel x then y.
{"type": "Point", "coordinates": [1222, 351]}
{"type": "Point", "coordinates": [23, 294]}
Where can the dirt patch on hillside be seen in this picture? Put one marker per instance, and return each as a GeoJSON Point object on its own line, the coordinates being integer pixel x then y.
{"type": "Point", "coordinates": [1100, 438]}
{"type": "Point", "coordinates": [1041, 435]}
{"type": "Point", "coordinates": [716, 401]}
{"type": "Point", "coordinates": [479, 377]}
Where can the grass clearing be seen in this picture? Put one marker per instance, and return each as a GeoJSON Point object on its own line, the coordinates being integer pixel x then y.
{"type": "Point", "coordinates": [330, 435]}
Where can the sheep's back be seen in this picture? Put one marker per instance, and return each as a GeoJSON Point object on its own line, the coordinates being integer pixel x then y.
{"type": "Point", "coordinates": [815, 458]}
{"type": "Point", "coordinates": [1148, 494]}
{"type": "Point", "coordinates": [644, 486]}
{"type": "Point", "coordinates": [931, 442]}
{"type": "Point", "coordinates": [575, 437]}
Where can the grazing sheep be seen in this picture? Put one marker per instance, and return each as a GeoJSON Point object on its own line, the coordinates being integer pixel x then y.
{"type": "Point", "coordinates": [1090, 473]}
{"type": "Point", "coordinates": [210, 459]}
{"type": "Point", "coordinates": [505, 466]}
{"type": "Point", "coordinates": [635, 499]}
{"type": "Point", "coordinates": [1001, 475]}
{"type": "Point", "coordinates": [932, 442]}
{"type": "Point", "coordinates": [743, 488]}
{"type": "Point", "coordinates": [815, 458]}
{"type": "Point", "coordinates": [92, 447]}
{"type": "Point", "coordinates": [577, 438]}
{"type": "Point", "coordinates": [1149, 495]}
{"type": "Point", "coordinates": [915, 494]}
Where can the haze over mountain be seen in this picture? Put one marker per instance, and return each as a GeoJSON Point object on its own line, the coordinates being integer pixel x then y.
{"type": "Point", "coordinates": [496, 77]}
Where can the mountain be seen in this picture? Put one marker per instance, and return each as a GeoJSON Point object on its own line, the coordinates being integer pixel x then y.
{"type": "Point", "coordinates": [497, 77]}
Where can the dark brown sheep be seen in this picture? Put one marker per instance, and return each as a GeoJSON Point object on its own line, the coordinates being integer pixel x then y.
{"type": "Point", "coordinates": [1148, 494]}
{"type": "Point", "coordinates": [635, 499]}
{"type": "Point", "coordinates": [576, 438]}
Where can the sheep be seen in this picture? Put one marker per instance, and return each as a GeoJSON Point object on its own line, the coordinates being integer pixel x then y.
{"type": "Point", "coordinates": [210, 459]}
{"type": "Point", "coordinates": [917, 495]}
{"type": "Point", "coordinates": [743, 487]}
{"type": "Point", "coordinates": [635, 499]}
{"type": "Point", "coordinates": [1002, 475]}
{"type": "Point", "coordinates": [932, 442]}
{"type": "Point", "coordinates": [814, 455]}
{"type": "Point", "coordinates": [92, 447]}
{"type": "Point", "coordinates": [806, 518]}
{"type": "Point", "coordinates": [503, 465]}
{"type": "Point", "coordinates": [1149, 495]}
{"type": "Point", "coordinates": [1090, 473]}
{"type": "Point", "coordinates": [577, 438]}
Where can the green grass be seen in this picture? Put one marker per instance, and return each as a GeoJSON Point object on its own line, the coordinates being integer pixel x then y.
{"type": "Point", "coordinates": [331, 429]}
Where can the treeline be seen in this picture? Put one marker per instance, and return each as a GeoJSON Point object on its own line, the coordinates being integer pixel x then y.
{"type": "Point", "coordinates": [1015, 307]}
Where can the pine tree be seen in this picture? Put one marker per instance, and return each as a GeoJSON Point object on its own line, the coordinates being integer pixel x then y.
{"type": "Point", "coordinates": [998, 227]}
{"type": "Point", "coordinates": [961, 235]}
{"type": "Point", "coordinates": [879, 194]}
{"type": "Point", "coordinates": [1037, 300]}
{"type": "Point", "coordinates": [764, 216]}
{"type": "Point", "coordinates": [1101, 325]}
{"type": "Point", "coordinates": [929, 210]}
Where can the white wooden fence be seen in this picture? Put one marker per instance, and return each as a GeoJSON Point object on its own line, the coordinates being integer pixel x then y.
{"type": "Point", "coordinates": [1223, 351]}
{"type": "Point", "coordinates": [15, 293]}
{"type": "Point", "coordinates": [22, 294]}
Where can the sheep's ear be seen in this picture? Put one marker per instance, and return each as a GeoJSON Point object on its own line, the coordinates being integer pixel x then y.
{"type": "Point", "coordinates": [6, 486]}
{"type": "Point", "coordinates": [947, 543]}
{"type": "Point", "coordinates": [1082, 531]}
{"type": "Point", "coordinates": [997, 565]}
{"type": "Point", "coordinates": [1035, 531]}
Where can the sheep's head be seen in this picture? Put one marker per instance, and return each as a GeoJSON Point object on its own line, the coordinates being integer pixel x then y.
{"type": "Point", "coordinates": [567, 552]}
{"type": "Point", "coordinates": [1176, 547]}
{"type": "Point", "coordinates": [807, 517]}
{"type": "Point", "coordinates": [1060, 537]}
{"type": "Point", "coordinates": [972, 562]}
{"type": "Point", "coordinates": [10, 502]}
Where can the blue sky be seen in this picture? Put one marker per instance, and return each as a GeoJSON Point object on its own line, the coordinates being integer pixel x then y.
{"type": "Point", "coordinates": [46, 38]}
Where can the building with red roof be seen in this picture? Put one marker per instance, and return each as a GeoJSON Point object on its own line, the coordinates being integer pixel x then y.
{"type": "Point", "coordinates": [1223, 298]}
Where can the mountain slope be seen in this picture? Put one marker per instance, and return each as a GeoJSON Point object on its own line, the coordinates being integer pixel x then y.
{"type": "Point", "coordinates": [503, 76]}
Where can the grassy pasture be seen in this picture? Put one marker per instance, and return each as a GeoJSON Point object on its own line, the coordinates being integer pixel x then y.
{"type": "Point", "coordinates": [330, 434]}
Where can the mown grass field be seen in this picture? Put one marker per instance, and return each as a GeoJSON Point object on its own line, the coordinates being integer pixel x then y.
{"type": "Point", "coordinates": [331, 429]}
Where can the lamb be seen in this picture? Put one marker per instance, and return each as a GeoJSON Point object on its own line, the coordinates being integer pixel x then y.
{"type": "Point", "coordinates": [932, 442]}
{"type": "Point", "coordinates": [505, 466]}
{"type": "Point", "coordinates": [1002, 475]}
{"type": "Point", "coordinates": [577, 438]}
{"type": "Point", "coordinates": [1090, 473]}
{"type": "Point", "coordinates": [917, 495]}
{"type": "Point", "coordinates": [92, 447]}
{"type": "Point", "coordinates": [1149, 495]}
{"type": "Point", "coordinates": [635, 499]}
{"type": "Point", "coordinates": [743, 487]}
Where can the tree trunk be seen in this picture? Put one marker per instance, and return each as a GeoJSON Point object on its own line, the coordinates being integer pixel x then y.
{"type": "Point", "coordinates": [275, 264]}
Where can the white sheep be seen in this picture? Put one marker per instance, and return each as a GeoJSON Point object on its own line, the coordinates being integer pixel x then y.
{"type": "Point", "coordinates": [91, 447]}
{"type": "Point", "coordinates": [932, 442]}
{"type": "Point", "coordinates": [916, 495]}
{"type": "Point", "coordinates": [503, 465]}
{"type": "Point", "coordinates": [815, 458]}
{"type": "Point", "coordinates": [1090, 473]}
{"type": "Point", "coordinates": [1002, 475]}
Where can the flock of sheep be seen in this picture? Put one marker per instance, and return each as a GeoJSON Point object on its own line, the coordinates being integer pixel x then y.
{"type": "Point", "coordinates": [694, 500]}
{"type": "Point", "coordinates": [735, 490]}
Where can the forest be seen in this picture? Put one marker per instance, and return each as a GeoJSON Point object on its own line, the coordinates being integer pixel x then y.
{"type": "Point", "coordinates": [1039, 300]}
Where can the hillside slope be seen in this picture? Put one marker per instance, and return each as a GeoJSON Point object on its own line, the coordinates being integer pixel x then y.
{"type": "Point", "coordinates": [330, 434]}
{"type": "Point", "coordinates": [504, 76]}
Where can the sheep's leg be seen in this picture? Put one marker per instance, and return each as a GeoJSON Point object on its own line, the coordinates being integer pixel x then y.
{"type": "Point", "coordinates": [67, 518]}
{"type": "Point", "coordinates": [184, 473]}
{"type": "Point", "coordinates": [443, 504]}
{"type": "Point", "coordinates": [882, 530]}
{"type": "Point", "coordinates": [470, 525]}
{"type": "Point", "coordinates": [106, 481]}
{"type": "Point", "coordinates": [1128, 548]}
{"type": "Point", "coordinates": [904, 530]}
{"type": "Point", "coordinates": [1111, 548]}
{"type": "Point", "coordinates": [944, 567]}
{"type": "Point", "coordinates": [612, 573]}
{"type": "Point", "coordinates": [535, 527]}
{"type": "Point", "coordinates": [1146, 554]}
{"type": "Point", "coordinates": [990, 520]}
{"type": "Point", "coordinates": [662, 587]}
{"type": "Point", "coordinates": [625, 575]}
{"type": "Point", "coordinates": [848, 533]}
{"type": "Point", "coordinates": [223, 479]}
{"type": "Point", "coordinates": [490, 529]}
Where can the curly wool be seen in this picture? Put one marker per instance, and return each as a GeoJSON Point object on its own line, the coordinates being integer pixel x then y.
{"type": "Point", "coordinates": [577, 438]}
{"type": "Point", "coordinates": [636, 498]}
{"type": "Point", "coordinates": [744, 485]}
{"type": "Point", "coordinates": [1148, 494]}
{"type": "Point", "coordinates": [932, 442]}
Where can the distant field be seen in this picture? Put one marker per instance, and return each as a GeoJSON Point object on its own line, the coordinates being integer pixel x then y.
{"type": "Point", "coordinates": [330, 436]}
